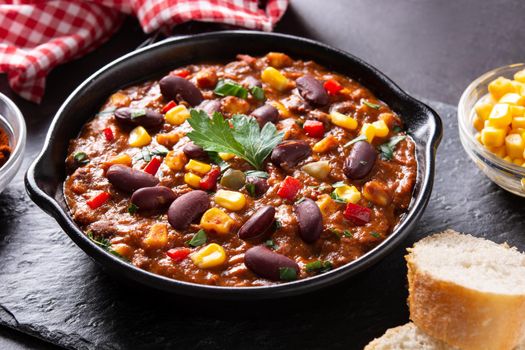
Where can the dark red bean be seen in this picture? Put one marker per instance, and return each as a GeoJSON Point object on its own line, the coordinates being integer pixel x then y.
{"type": "Point", "coordinates": [210, 106]}
{"type": "Point", "coordinates": [145, 117]}
{"type": "Point", "coordinates": [265, 114]}
{"type": "Point", "coordinates": [310, 220]}
{"type": "Point", "coordinates": [153, 198]}
{"type": "Point", "coordinates": [312, 90]}
{"type": "Point", "coordinates": [129, 180]}
{"type": "Point", "coordinates": [290, 153]}
{"type": "Point", "coordinates": [259, 224]}
{"type": "Point", "coordinates": [177, 88]}
{"type": "Point", "coordinates": [268, 264]}
{"type": "Point", "coordinates": [260, 186]}
{"type": "Point", "coordinates": [194, 151]}
{"type": "Point", "coordinates": [360, 161]}
{"type": "Point", "coordinates": [188, 207]}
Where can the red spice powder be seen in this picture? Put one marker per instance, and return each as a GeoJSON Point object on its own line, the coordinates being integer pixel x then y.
{"type": "Point", "coordinates": [5, 149]}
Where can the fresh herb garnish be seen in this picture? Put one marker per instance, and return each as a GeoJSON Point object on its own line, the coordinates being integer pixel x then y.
{"type": "Point", "coordinates": [81, 158]}
{"type": "Point", "coordinates": [387, 149]}
{"type": "Point", "coordinates": [338, 184]}
{"type": "Point", "coordinates": [250, 187]}
{"type": "Point", "coordinates": [246, 140]}
{"type": "Point", "coordinates": [287, 274]}
{"type": "Point", "coordinates": [257, 93]}
{"type": "Point", "coordinates": [335, 232]}
{"type": "Point", "coordinates": [146, 153]}
{"type": "Point", "coordinates": [219, 161]}
{"type": "Point", "coordinates": [198, 239]}
{"type": "Point", "coordinates": [107, 111]}
{"type": "Point", "coordinates": [371, 105]}
{"type": "Point", "coordinates": [230, 88]}
{"type": "Point", "coordinates": [336, 198]}
{"type": "Point", "coordinates": [347, 233]}
{"type": "Point", "coordinates": [319, 266]}
{"type": "Point", "coordinates": [271, 244]}
{"type": "Point", "coordinates": [375, 234]}
{"type": "Point", "coordinates": [132, 209]}
{"type": "Point", "coordinates": [257, 173]}
{"type": "Point", "coordinates": [137, 112]}
{"type": "Point", "coordinates": [277, 224]}
{"type": "Point", "coordinates": [357, 139]}
{"type": "Point", "coordinates": [396, 129]}
{"type": "Point", "coordinates": [300, 200]}
{"type": "Point", "coordinates": [102, 242]}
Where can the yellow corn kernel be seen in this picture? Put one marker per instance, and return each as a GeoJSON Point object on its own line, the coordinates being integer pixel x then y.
{"type": "Point", "coordinates": [175, 161]}
{"type": "Point", "coordinates": [197, 167]}
{"type": "Point", "coordinates": [377, 192]}
{"type": "Point", "coordinates": [215, 219]}
{"type": "Point", "coordinates": [500, 151]}
{"type": "Point", "coordinates": [483, 109]}
{"type": "Point", "coordinates": [500, 116]}
{"type": "Point", "coordinates": [192, 180]}
{"type": "Point", "coordinates": [520, 76]}
{"type": "Point", "coordinates": [325, 145]}
{"type": "Point", "coordinates": [275, 79]}
{"type": "Point", "coordinates": [343, 121]}
{"type": "Point", "coordinates": [123, 159]}
{"type": "Point", "coordinates": [325, 203]}
{"type": "Point", "coordinates": [500, 87]}
{"type": "Point", "coordinates": [283, 111]}
{"type": "Point", "coordinates": [518, 122]}
{"type": "Point", "coordinates": [139, 137]}
{"type": "Point", "coordinates": [231, 200]}
{"type": "Point", "coordinates": [122, 249]}
{"type": "Point", "coordinates": [177, 115]}
{"type": "Point", "coordinates": [349, 194]}
{"type": "Point", "coordinates": [118, 99]}
{"type": "Point", "coordinates": [492, 137]}
{"type": "Point", "coordinates": [513, 99]}
{"type": "Point", "coordinates": [519, 131]}
{"type": "Point", "coordinates": [508, 159]}
{"type": "Point", "coordinates": [226, 156]}
{"type": "Point", "coordinates": [518, 161]}
{"type": "Point", "coordinates": [517, 111]}
{"type": "Point", "coordinates": [381, 128]}
{"type": "Point", "coordinates": [514, 145]}
{"type": "Point", "coordinates": [169, 139]}
{"type": "Point", "coordinates": [157, 236]}
{"type": "Point", "coordinates": [278, 59]}
{"type": "Point", "coordinates": [478, 137]}
{"type": "Point", "coordinates": [478, 123]}
{"type": "Point", "coordinates": [210, 256]}
{"type": "Point", "coordinates": [369, 131]}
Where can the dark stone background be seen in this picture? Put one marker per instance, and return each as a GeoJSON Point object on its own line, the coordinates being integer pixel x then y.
{"type": "Point", "coordinates": [49, 288]}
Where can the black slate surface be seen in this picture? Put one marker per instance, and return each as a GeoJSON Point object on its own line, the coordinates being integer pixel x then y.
{"type": "Point", "coordinates": [51, 289]}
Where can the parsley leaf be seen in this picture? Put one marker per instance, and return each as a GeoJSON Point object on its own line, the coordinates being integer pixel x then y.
{"type": "Point", "coordinates": [338, 184]}
{"type": "Point", "coordinates": [219, 161]}
{"type": "Point", "coordinates": [257, 93]}
{"type": "Point", "coordinates": [371, 105]}
{"type": "Point", "coordinates": [375, 234]}
{"type": "Point", "coordinates": [137, 112]}
{"type": "Point", "coordinates": [336, 198]}
{"type": "Point", "coordinates": [250, 187]}
{"type": "Point", "coordinates": [357, 139]}
{"type": "Point", "coordinates": [271, 244]}
{"type": "Point", "coordinates": [318, 266]}
{"type": "Point", "coordinates": [103, 242]}
{"type": "Point", "coordinates": [230, 88]}
{"type": "Point", "coordinates": [257, 173]}
{"type": "Point", "coordinates": [81, 158]}
{"type": "Point", "coordinates": [132, 209]}
{"type": "Point", "coordinates": [246, 140]}
{"type": "Point", "coordinates": [387, 149]}
{"type": "Point", "coordinates": [198, 239]}
{"type": "Point", "coordinates": [287, 274]}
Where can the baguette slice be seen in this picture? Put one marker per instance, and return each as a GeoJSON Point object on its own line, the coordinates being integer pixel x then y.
{"type": "Point", "coordinates": [406, 337]}
{"type": "Point", "coordinates": [467, 291]}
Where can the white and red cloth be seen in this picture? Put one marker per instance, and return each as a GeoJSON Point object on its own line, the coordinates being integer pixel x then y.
{"type": "Point", "coordinates": [36, 35]}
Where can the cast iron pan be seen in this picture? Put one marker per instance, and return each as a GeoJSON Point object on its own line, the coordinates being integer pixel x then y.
{"type": "Point", "coordinates": [45, 176]}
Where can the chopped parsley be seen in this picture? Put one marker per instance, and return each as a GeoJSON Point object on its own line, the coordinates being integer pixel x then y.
{"type": "Point", "coordinates": [396, 129]}
{"type": "Point", "coordinates": [338, 184]}
{"type": "Point", "coordinates": [257, 173]}
{"type": "Point", "coordinates": [357, 139]}
{"type": "Point", "coordinates": [81, 158]}
{"type": "Point", "coordinates": [146, 153]}
{"type": "Point", "coordinates": [375, 234]}
{"type": "Point", "coordinates": [230, 88]}
{"type": "Point", "coordinates": [102, 242]}
{"type": "Point", "coordinates": [132, 209]}
{"type": "Point", "coordinates": [287, 274]}
{"type": "Point", "coordinates": [198, 239]}
{"type": "Point", "coordinates": [371, 105]}
{"type": "Point", "coordinates": [219, 161]}
{"type": "Point", "coordinates": [277, 224]}
{"type": "Point", "coordinates": [336, 198]}
{"type": "Point", "coordinates": [271, 244]}
{"type": "Point", "coordinates": [257, 93]}
{"type": "Point", "coordinates": [387, 149]}
{"type": "Point", "coordinates": [250, 187]}
{"type": "Point", "coordinates": [319, 266]}
{"type": "Point", "coordinates": [137, 112]}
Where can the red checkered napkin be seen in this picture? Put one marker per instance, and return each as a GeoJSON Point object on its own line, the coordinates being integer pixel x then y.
{"type": "Point", "coordinates": [36, 36]}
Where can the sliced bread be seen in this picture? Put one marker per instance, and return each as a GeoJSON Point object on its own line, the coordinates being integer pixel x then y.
{"type": "Point", "coordinates": [467, 291]}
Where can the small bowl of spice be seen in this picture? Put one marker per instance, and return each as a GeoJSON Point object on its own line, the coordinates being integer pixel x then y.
{"type": "Point", "coordinates": [12, 140]}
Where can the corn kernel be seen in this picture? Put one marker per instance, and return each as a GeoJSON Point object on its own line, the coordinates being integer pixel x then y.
{"type": "Point", "coordinates": [478, 137]}
{"type": "Point", "coordinates": [500, 116]}
{"type": "Point", "coordinates": [197, 167]}
{"type": "Point", "coordinates": [377, 192]}
{"type": "Point", "coordinates": [326, 204]}
{"type": "Point", "coordinates": [123, 159]}
{"type": "Point", "coordinates": [520, 76]}
{"type": "Point", "coordinates": [389, 118]}
{"type": "Point", "coordinates": [275, 79]}
{"type": "Point", "coordinates": [122, 249]}
{"type": "Point", "coordinates": [283, 111]}
{"type": "Point", "coordinates": [325, 145]}
{"type": "Point", "coordinates": [500, 87]}
{"type": "Point", "coordinates": [177, 115]}
{"type": "Point", "coordinates": [278, 59]}
{"type": "Point", "coordinates": [513, 99]}
{"type": "Point", "coordinates": [514, 145]}
{"type": "Point", "coordinates": [226, 156]}
{"type": "Point", "coordinates": [478, 123]}
{"type": "Point", "coordinates": [369, 131]}
{"type": "Point", "coordinates": [518, 161]}
{"type": "Point", "coordinates": [518, 122]}
{"type": "Point", "coordinates": [209, 256]}
{"type": "Point", "coordinates": [519, 131]}
{"type": "Point", "coordinates": [343, 121]}
{"type": "Point", "coordinates": [175, 161]}
{"type": "Point", "coordinates": [492, 137]}
{"type": "Point", "coordinates": [507, 159]}
{"type": "Point", "coordinates": [118, 99]}
{"type": "Point", "coordinates": [215, 219]}
{"type": "Point", "coordinates": [381, 128]}
{"type": "Point", "coordinates": [517, 111]}
{"type": "Point", "coordinates": [139, 137]}
{"type": "Point", "coordinates": [500, 151]}
{"type": "Point", "coordinates": [349, 194]}
{"type": "Point", "coordinates": [157, 236]}
{"type": "Point", "coordinates": [169, 139]}
{"type": "Point", "coordinates": [231, 200]}
{"type": "Point", "coordinates": [483, 109]}
{"type": "Point", "coordinates": [192, 180]}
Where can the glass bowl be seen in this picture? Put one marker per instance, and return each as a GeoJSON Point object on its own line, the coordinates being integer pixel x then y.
{"type": "Point", "coordinates": [509, 176]}
{"type": "Point", "coordinates": [12, 121]}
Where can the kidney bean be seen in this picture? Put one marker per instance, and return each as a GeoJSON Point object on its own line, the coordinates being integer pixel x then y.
{"type": "Point", "coordinates": [139, 116]}
{"type": "Point", "coordinates": [259, 224]}
{"type": "Point", "coordinates": [129, 180]}
{"type": "Point", "coordinates": [194, 151]}
{"type": "Point", "coordinates": [210, 106]}
{"type": "Point", "coordinates": [265, 114]}
{"type": "Point", "coordinates": [312, 90]}
{"type": "Point", "coordinates": [153, 198]}
{"type": "Point", "coordinates": [310, 220]}
{"type": "Point", "coordinates": [260, 185]}
{"type": "Point", "coordinates": [268, 264]}
{"type": "Point", "coordinates": [290, 153]}
{"type": "Point", "coordinates": [360, 161]}
{"type": "Point", "coordinates": [187, 208]}
{"type": "Point", "coordinates": [175, 88]}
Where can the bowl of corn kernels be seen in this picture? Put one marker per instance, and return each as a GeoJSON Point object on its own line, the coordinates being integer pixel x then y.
{"type": "Point", "coordinates": [491, 119]}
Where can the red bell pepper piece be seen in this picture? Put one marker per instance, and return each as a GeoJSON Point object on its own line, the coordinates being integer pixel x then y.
{"type": "Point", "coordinates": [332, 87]}
{"type": "Point", "coordinates": [209, 181]}
{"type": "Point", "coordinates": [183, 73]}
{"type": "Point", "coordinates": [108, 133]}
{"type": "Point", "coordinates": [358, 214]}
{"type": "Point", "coordinates": [153, 165]}
{"type": "Point", "coordinates": [313, 128]}
{"type": "Point", "coordinates": [98, 200]}
{"type": "Point", "coordinates": [289, 188]}
{"type": "Point", "coordinates": [178, 254]}
{"type": "Point", "coordinates": [168, 106]}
